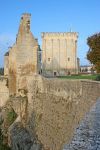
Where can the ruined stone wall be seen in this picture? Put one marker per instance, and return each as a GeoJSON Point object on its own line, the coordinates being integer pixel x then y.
{"type": "Point", "coordinates": [22, 55]}
{"type": "Point", "coordinates": [58, 106]}
{"type": "Point", "coordinates": [4, 92]}
{"type": "Point", "coordinates": [26, 53]}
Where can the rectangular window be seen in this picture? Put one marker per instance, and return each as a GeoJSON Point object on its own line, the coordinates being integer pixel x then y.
{"type": "Point", "coordinates": [68, 59]}
{"type": "Point", "coordinates": [48, 59]}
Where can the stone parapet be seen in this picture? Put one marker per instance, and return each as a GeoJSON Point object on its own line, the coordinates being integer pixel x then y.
{"type": "Point", "coordinates": [59, 106]}
{"type": "Point", "coordinates": [59, 34]}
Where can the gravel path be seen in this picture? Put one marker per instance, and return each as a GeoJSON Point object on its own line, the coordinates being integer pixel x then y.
{"type": "Point", "coordinates": [87, 135]}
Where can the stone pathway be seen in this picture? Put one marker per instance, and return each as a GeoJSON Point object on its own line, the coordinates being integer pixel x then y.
{"type": "Point", "coordinates": [87, 135]}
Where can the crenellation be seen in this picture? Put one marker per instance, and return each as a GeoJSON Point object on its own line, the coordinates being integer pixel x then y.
{"type": "Point", "coordinates": [59, 34]}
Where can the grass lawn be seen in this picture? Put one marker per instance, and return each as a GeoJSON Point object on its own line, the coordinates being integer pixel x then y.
{"type": "Point", "coordinates": [91, 77]}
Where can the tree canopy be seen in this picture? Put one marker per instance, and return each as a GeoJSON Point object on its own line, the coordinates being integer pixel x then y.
{"type": "Point", "coordinates": [93, 54]}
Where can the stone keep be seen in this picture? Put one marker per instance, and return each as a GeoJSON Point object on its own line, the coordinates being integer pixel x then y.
{"type": "Point", "coordinates": [22, 56]}
{"type": "Point", "coordinates": [59, 53]}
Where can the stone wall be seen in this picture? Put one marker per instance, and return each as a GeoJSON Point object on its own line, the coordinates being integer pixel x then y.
{"type": "Point", "coordinates": [54, 109]}
{"type": "Point", "coordinates": [23, 55]}
{"type": "Point", "coordinates": [58, 106]}
{"type": "Point", "coordinates": [4, 91]}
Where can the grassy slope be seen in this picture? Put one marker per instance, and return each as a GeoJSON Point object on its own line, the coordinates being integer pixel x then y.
{"type": "Point", "coordinates": [91, 77]}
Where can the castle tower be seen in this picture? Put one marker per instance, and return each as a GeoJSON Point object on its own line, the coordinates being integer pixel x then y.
{"type": "Point", "coordinates": [59, 53]}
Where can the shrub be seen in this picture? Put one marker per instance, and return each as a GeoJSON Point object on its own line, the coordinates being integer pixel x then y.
{"type": "Point", "coordinates": [11, 116]}
{"type": "Point", "coordinates": [98, 78]}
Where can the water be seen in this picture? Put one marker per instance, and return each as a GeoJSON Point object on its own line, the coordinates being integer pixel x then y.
{"type": "Point", "coordinates": [87, 135]}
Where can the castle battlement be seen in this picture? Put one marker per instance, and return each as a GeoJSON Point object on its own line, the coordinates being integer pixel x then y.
{"type": "Point", "coordinates": [59, 34]}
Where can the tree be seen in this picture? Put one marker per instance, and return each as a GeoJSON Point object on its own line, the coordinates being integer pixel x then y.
{"type": "Point", "coordinates": [93, 54]}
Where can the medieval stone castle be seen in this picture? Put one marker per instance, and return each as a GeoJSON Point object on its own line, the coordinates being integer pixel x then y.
{"type": "Point", "coordinates": [58, 56]}
{"type": "Point", "coordinates": [47, 110]}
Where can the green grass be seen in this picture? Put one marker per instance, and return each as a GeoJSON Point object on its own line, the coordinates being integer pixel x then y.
{"type": "Point", "coordinates": [90, 77]}
{"type": "Point", "coordinates": [11, 116]}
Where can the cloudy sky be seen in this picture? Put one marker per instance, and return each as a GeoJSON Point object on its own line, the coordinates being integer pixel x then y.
{"type": "Point", "coordinates": [82, 16]}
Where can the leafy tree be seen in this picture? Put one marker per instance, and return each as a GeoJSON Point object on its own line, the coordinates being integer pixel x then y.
{"type": "Point", "coordinates": [93, 54]}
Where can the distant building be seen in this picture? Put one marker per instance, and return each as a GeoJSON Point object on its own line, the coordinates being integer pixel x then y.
{"type": "Point", "coordinates": [59, 54]}
{"type": "Point", "coordinates": [87, 69]}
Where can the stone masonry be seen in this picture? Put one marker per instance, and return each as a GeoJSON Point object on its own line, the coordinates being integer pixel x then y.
{"type": "Point", "coordinates": [58, 106]}
{"type": "Point", "coordinates": [4, 91]}
{"type": "Point", "coordinates": [59, 53]}
{"type": "Point", "coordinates": [50, 110]}
{"type": "Point", "coordinates": [22, 56]}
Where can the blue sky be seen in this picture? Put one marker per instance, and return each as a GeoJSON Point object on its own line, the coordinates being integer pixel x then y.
{"type": "Point", "coordinates": [82, 16]}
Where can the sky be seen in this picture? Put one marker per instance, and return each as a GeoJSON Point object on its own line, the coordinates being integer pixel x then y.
{"type": "Point", "coordinates": [82, 16]}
